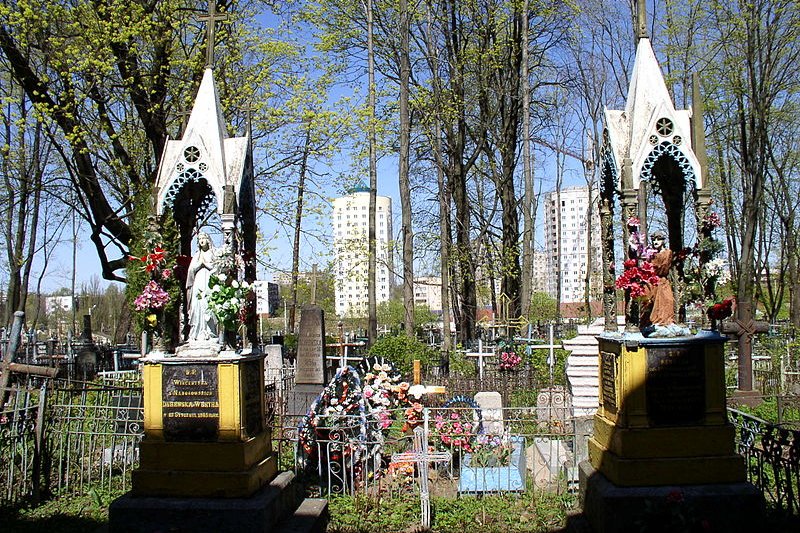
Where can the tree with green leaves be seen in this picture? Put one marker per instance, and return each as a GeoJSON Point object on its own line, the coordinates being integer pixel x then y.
{"type": "Point", "coordinates": [112, 80]}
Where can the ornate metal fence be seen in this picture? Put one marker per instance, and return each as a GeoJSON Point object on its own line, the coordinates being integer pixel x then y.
{"type": "Point", "coordinates": [93, 435]}
{"type": "Point", "coordinates": [772, 455]}
{"type": "Point", "coordinates": [21, 432]}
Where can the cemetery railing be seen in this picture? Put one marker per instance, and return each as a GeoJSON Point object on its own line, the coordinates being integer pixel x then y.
{"type": "Point", "coordinates": [772, 457]}
{"type": "Point", "coordinates": [540, 449]}
{"type": "Point", "coordinates": [93, 436]}
{"type": "Point", "coordinates": [21, 434]}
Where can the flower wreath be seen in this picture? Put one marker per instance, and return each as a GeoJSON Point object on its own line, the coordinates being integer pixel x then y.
{"type": "Point", "coordinates": [330, 417]}
{"type": "Point", "coordinates": [458, 429]}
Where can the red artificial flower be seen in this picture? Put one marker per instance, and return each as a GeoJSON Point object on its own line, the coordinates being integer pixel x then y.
{"type": "Point", "coordinates": [635, 279]}
{"type": "Point", "coordinates": [721, 310]}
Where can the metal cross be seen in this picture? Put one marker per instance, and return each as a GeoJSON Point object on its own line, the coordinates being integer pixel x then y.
{"type": "Point", "coordinates": [529, 347]}
{"type": "Point", "coordinates": [422, 457]}
{"type": "Point", "coordinates": [480, 354]}
{"type": "Point", "coordinates": [212, 19]}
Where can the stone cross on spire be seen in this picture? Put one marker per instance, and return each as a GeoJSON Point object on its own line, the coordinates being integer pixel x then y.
{"type": "Point", "coordinates": [212, 19]}
{"type": "Point", "coordinates": [641, 20]}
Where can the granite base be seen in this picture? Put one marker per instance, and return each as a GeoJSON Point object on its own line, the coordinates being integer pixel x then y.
{"type": "Point", "coordinates": [260, 513]}
{"type": "Point", "coordinates": [728, 507]}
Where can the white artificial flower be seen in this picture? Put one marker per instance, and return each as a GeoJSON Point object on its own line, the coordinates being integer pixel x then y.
{"type": "Point", "coordinates": [235, 284]}
{"type": "Point", "coordinates": [222, 277]}
{"type": "Point", "coordinates": [234, 301]}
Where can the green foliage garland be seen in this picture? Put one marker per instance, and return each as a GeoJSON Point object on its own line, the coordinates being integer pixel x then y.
{"type": "Point", "coordinates": [146, 235]}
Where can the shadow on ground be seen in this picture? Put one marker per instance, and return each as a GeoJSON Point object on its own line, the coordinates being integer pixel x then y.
{"type": "Point", "coordinates": [12, 522]}
{"type": "Point", "coordinates": [774, 522]}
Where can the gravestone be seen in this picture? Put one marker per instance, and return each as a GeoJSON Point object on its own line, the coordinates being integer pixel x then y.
{"type": "Point", "coordinates": [661, 427]}
{"type": "Point", "coordinates": [550, 462]}
{"type": "Point", "coordinates": [491, 405]}
{"type": "Point", "coordinates": [311, 347]}
{"type": "Point", "coordinates": [310, 361]}
{"type": "Point", "coordinates": [273, 362]}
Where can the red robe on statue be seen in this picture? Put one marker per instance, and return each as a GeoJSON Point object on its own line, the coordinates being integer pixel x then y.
{"type": "Point", "coordinates": [660, 302]}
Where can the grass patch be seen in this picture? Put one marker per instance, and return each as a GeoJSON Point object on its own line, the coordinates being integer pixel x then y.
{"type": "Point", "coordinates": [67, 513]}
{"type": "Point", "coordinates": [502, 513]}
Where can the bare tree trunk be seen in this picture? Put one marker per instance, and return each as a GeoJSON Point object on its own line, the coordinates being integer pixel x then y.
{"type": "Point", "coordinates": [405, 188]}
{"type": "Point", "coordinates": [372, 329]}
{"type": "Point", "coordinates": [528, 205]}
{"type": "Point", "coordinates": [298, 219]}
{"type": "Point", "coordinates": [445, 235]}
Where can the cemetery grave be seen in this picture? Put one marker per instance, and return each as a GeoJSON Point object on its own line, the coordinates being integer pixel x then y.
{"type": "Point", "coordinates": [212, 431]}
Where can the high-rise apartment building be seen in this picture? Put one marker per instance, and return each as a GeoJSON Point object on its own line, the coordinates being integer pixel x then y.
{"type": "Point", "coordinates": [568, 250]}
{"type": "Point", "coordinates": [350, 223]}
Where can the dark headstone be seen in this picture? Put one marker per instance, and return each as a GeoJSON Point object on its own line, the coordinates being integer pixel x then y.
{"type": "Point", "coordinates": [311, 346]}
{"type": "Point", "coordinates": [86, 334]}
{"type": "Point", "coordinates": [127, 410]}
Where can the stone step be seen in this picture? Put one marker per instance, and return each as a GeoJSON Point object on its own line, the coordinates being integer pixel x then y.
{"type": "Point", "coordinates": [582, 370]}
{"type": "Point", "coordinates": [259, 513]}
{"type": "Point", "coordinates": [311, 517]}
{"type": "Point", "coordinates": [590, 355]}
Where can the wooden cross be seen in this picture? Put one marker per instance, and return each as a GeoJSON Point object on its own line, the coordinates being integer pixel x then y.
{"type": "Point", "coordinates": [212, 19]}
{"type": "Point", "coordinates": [744, 331]}
{"type": "Point", "coordinates": [422, 458]}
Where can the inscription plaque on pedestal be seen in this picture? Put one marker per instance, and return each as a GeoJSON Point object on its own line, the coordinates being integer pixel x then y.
{"type": "Point", "coordinates": [608, 380]}
{"type": "Point", "coordinates": [190, 406]}
{"type": "Point", "coordinates": [676, 385]}
{"type": "Point", "coordinates": [253, 403]}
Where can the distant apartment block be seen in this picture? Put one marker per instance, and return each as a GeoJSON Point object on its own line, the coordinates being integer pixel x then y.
{"type": "Point", "coordinates": [285, 278]}
{"type": "Point", "coordinates": [267, 297]}
{"type": "Point", "coordinates": [58, 303]}
{"type": "Point", "coordinates": [568, 250]}
{"type": "Point", "coordinates": [350, 231]}
{"type": "Point", "coordinates": [539, 282]}
{"type": "Point", "coordinates": [428, 293]}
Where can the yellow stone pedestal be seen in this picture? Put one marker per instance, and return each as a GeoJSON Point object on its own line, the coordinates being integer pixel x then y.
{"type": "Point", "coordinates": [204, 427]}
{"type": "Point", "coordinates": [662, 418]}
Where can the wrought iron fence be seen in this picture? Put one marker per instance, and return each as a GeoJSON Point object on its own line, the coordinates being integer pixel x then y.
{"type": "Point", "coordinates": [772, 456]}
{"type": "Point", "coordinates": [93, 434]}
{"type": "Point", "coordinates": [62, 439]}
{"type": "Point", "coordinates": [21, 431]}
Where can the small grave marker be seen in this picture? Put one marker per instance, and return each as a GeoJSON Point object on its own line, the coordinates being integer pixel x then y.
{"type": "Point", "coordinates": [480, 354]}
{"type": "Point", "coordinates": [491, 405]}
{"type": "Point", "coordinates": [422, 458]}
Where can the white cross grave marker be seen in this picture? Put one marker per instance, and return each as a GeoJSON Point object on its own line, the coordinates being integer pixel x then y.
{"type": "Point", "coordinates": [480, 354]}
{"type": "Point", "coordinates": [551, 359]}
{"type": "Point", "coordinates": [422, 457]}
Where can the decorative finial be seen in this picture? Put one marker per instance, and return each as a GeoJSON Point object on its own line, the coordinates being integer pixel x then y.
{"type": "Point", "coordinates": [211, 19]}
{"type": "Point", "coordinates": [641, 20]}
